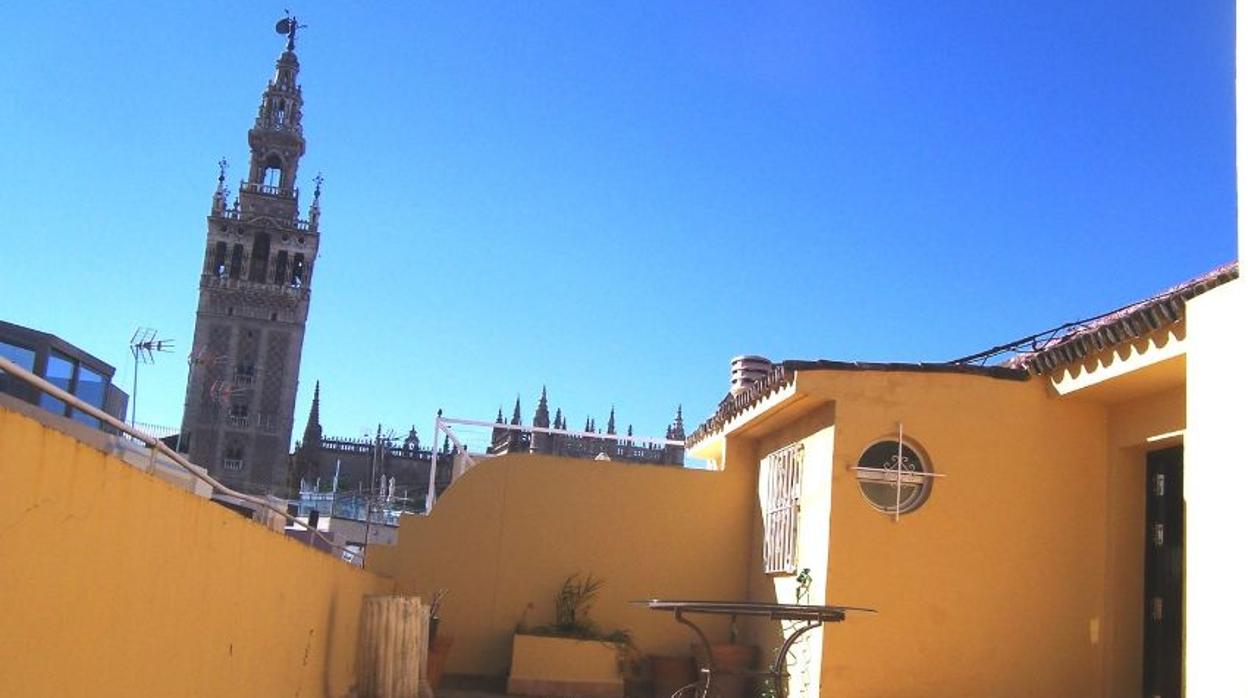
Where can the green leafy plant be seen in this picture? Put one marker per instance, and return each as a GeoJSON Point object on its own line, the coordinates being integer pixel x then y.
{"type": "Point", "coordinates": [572, 604]}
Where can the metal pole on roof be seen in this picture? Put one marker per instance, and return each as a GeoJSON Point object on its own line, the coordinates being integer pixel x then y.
{"type": "Point", "coordinates": [433, 464]}
{"type": "Point", "coordinates": [901, 433]}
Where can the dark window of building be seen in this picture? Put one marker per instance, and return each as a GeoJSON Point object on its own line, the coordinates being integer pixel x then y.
{"type": "Point", "coordinates": [233, 457]}
{"type": "Point", "coordinates": [238, 415]}
{"type": "Point", "coordinates": [244, 374]}
{"type": "Point", "coordinates": [91, 388]}
{"type": "Point", "coordinates": [259, 258]}
{"type": "Point", "coordinates": [60, 372]}
{"type": "Point", "coordinates": [296, 272]}
{"type": "Point", "coordinates": [279, 275]}
{"type": "Point", "coordinates": [19, 355]}
{"type": "Point", "coordinates": [236, 261]}
{"type": "Point", "coordinates": [218, 264]}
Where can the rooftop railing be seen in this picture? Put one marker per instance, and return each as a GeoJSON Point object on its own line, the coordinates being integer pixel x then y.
{"type": "Point", "coordinates": [155, 446]}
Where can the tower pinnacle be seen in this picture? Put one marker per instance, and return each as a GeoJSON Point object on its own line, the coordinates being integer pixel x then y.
{"type": "Point", "coordinates": [541, 417]}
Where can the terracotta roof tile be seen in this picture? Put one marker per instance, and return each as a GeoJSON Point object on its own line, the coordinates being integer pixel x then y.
{"type": "Point", "coordinates": [1123, 325]}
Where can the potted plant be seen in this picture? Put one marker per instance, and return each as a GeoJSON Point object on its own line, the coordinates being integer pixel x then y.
{"type": "Point", "coordinates": [439, 645]}
{"type": "Point", "coordinates": [733, 662]}
{"type": "Point", "coordinates": [572, 656]}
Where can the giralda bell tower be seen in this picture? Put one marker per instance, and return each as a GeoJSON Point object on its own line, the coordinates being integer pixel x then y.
{"type": "Point", "coordinates": [254, 292]}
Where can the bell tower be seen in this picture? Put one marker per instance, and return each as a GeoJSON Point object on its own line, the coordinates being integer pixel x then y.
{"type": "Point", "coordinates": [254, 292]}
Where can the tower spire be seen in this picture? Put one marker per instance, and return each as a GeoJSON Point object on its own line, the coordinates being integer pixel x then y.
{"type": "Point", "coordinates": [541, 417]}
{"type": "Point", "coordinates": [222, 194]}
{"type": "Point", "coordinates": [515, 412]}
{"type": "Point", "coordinates": [611, 421]}
{"type": "Point", "coordinates": [678, 426]}
{"type": "Point", "coordinates": [314, 212]}
{"type": "Point", "coordinates": [312, 432]}
{"type": "Point", "coordinates": [276, 138]}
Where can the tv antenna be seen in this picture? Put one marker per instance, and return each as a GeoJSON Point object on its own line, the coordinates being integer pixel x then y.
{"type": "Point", "coordinates": [287, 26]}
{"type": "Point", "coordinates": [144, 345]}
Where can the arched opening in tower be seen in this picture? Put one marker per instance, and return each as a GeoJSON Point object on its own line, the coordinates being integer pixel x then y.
{"type": "Point", "coordinates": [273, 171]}
{"type": "Point", "coordinates": [236, 261]}
{"type": "Point", "coordinates": [259, 258]}
{"type": "Point", "coordinates": [218, 263]}
{"type": "Point", "coordinates": [296, 272]}
{"type": "Point", "coordinates": [279, 273]}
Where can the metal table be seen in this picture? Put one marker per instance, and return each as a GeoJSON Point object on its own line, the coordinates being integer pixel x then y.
{"type": "Point", "coordinates": [811, 616]}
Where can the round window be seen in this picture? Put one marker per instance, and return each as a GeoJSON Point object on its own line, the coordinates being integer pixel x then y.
{"type": "Point", "coordinates": [892, 476]}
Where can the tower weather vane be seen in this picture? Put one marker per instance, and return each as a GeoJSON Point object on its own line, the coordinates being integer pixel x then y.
{"type": "Point", "coordinates": [288, 25]}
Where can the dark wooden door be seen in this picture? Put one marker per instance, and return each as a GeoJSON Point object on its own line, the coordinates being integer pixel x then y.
{"type": "Point", "coordinates": [1163, 575]}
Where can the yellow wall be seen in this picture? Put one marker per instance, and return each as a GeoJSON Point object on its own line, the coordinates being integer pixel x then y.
{"type": "Point", "coordinates": [815, 430]}
{"type": "Point", "coordinates": [992, 587]}
{"type": "Point", "coordinates": [1217, 608]}
{"type": "Point", "coordinates": [114, 583]}
{"type": "Point", "coordinates": [1136, 427]}
{"type": "Point", "coordinates": [508, 532]}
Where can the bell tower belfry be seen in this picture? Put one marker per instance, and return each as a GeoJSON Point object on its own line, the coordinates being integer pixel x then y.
{"type": "Point", "coordinates": [254, 292]}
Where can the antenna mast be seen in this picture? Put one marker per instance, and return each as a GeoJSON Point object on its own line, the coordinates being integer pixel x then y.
{"type": "Point", "coordinates": [143, 345]}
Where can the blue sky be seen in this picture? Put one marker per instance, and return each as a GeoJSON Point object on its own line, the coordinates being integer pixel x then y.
{"type": "Point", "coordinates": [614, 200]}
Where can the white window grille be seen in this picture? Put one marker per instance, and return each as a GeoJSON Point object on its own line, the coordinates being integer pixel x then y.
{"type": "Point", "coordinates": [233, 463]}
{"type": "Point", "coordinates": [782, 471]}
{"type": "Point", "coordinates": [893, 475]}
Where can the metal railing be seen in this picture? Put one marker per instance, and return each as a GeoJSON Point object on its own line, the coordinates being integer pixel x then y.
{"type": "Point", "coordinates": [268, 189]}
{"type": "Point", "coordinates": [157, 446]}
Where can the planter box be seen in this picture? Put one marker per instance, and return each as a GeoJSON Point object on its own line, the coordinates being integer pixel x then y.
{"type": "Point", "coordinates": [557, 666]}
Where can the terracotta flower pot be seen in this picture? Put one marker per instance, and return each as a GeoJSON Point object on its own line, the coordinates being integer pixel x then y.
{"type": "Point", "coordinates": [439, 649]}
{"type": "Point", "coordinates": [669, 674]}
{"type": "Point", "coordinates": [730, 661]}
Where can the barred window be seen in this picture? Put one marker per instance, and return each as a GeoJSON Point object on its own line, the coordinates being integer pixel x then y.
{"type": "Point", "coordinates": [894, 477]}
{"type": "Point", "coordinates": [783, 472]}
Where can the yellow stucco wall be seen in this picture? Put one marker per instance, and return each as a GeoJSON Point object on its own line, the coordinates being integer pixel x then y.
{"type": "Point", "coordinates": [114, 583]}
{"type": "Point", "coordinates": [1021, 575]}
{"type": "Point", "coordinates": [1136, 426]}
{"type": "Point", "coordinates": [508, 532]}
{"type": "Point", "coordinates": [996, 585]}
{"type": "Point", "coordinates": [815, 430]}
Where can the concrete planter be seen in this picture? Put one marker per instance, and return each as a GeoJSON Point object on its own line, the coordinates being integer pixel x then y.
{"type": "Point", "coordinates": [557, 666]}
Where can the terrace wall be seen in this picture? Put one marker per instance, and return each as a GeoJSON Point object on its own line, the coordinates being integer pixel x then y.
{"type": "Point", "coordinates": [505, 535]}
{"type": "Point", "coordinates": [114, 583]}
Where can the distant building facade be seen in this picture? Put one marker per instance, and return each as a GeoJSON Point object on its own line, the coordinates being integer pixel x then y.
{"type": "Point", "coordinates": [65, 366]}
{"type": "Point", "coordinates": [590, 443]}
{"type": "Point", "coordinates": [379, 467]}
{"type": "Point", "coordinates": [254, 292]}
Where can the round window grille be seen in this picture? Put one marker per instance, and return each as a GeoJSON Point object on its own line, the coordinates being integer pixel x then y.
{"type": "Point", "coordinates": [893, 477]}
